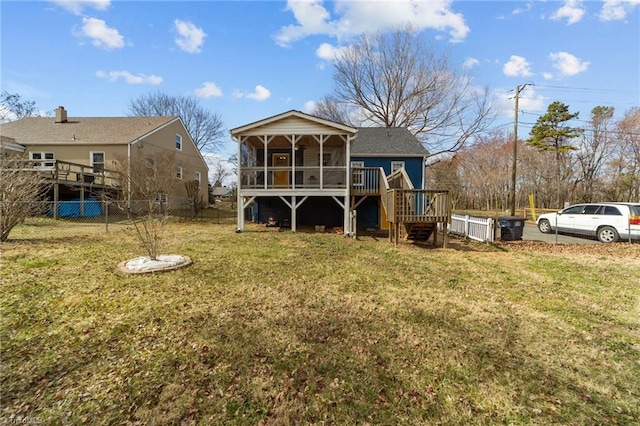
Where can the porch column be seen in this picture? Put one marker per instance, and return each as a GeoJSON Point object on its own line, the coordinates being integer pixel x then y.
{"type": "Point", "coordinates": [265, 143]}
{"type": "Point", "coordinates": [239, 209]}
{"type": "Point", "coordinates": [347, 200]}
{"type": "Point", "coordinates": [294, 208]}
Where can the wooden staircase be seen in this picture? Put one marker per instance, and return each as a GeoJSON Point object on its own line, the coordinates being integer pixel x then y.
{"type": "Point", "coordinates": [419, 231]}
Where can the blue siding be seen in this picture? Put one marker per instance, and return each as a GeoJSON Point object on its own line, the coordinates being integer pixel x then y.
{"type": "Point", "coordinates": [413, 166]}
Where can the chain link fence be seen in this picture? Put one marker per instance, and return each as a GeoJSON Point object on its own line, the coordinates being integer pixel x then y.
{"type": "Point", "coordinates": [91, 216]}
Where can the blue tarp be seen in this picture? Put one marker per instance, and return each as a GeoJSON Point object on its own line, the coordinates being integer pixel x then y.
{"type": "Point", "coordinates": [72, 208]}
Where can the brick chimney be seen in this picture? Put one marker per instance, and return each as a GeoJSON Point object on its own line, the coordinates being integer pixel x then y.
{"type": "Point", "coordinates": [61, 115]}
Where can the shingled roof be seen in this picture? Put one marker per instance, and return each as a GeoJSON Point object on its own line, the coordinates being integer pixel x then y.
{"type": "Point", "coordinates": [386, 141]}
{"type": "Point", "coordinates": [82, 130]}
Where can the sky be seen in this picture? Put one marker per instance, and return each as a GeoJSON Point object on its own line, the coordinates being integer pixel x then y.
{"type": "Point", "coordinates": [248, 60]}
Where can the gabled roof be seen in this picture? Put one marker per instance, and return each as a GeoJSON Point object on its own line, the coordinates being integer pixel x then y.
{"type": "Point", "coordinates": [386, 141]}
{"type": "Point", "coordinates": [293, 114]}
{"type": "Point", "coordinates": [82, 130]}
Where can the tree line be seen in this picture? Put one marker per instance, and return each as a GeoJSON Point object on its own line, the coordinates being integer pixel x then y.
{"type": "Point", "coordinates": [558, 164]}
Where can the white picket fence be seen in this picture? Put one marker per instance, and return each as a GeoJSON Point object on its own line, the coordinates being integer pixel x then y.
{"type": "Point", "coordinates": [477, 228]}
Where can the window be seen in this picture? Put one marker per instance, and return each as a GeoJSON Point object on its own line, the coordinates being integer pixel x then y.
{"type": "Point", "coordinates": [179, 172]}
{"type": "Point", "coordinates": [590, 209]}
{"type": "Point", "coordinates": [43, 156]}
{"type": "Point", "coordinates": [198, 178]}
{"type": "Point", "coordinates": [356, 175]}
{"type": "Point", "coordinates": [178, 142]}
{"type": "Point", "coordinates": [396, 165]}
{"type": "Point", "coordinates": [612, 211]}
{"type": "Point", "coordinates": [96, 160]}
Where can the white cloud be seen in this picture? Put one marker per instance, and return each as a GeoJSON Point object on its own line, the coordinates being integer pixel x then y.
{"type": "Point", "coordinates": [259, 94]}
{"type": "Point", "coordinates": [208, 90]}
{"type": "Point", "coordinates": [517, 66]}
{"type": "Point", "coordinates": [356, 17]}
{"type": "Point", "coordinates": [528, 100]}
{"type": "Point", "coordinates": [547, 75]}
{"type": "Point", "coordinates": [308, 107]}
{"type": "Point", "coordinates": [470, 63]}
{"type": "Point", "coordinates": [330, 53]}
{"type": "Point", "coordinates": [190, 38]}
{"type": "Point", "coordinates": [572, 10]}
{"type": "Point", "coordinates": [525, 9]}
{"type": "Point", "coordinates": [101, 35]}
{"type": "Point", "coordinates": [568, 64]}
{"type": "Point", "coordinates": [617, 10]}
{"type": "Point", "coordinates": [130, 78]}
{"type": "Point", "coordinates": [77, 6]}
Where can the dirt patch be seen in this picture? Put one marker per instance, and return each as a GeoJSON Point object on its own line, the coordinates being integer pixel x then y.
{"type": "Point", "coordinates": [620, 250]}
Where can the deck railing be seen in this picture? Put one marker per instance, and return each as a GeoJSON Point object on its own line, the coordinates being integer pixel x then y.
{"type": "Point", "coordinates": [420, 205]}
{"type": "Point", "coordinates": [366, 180]}
{"type": "Point", "coordinates": [59, 171]}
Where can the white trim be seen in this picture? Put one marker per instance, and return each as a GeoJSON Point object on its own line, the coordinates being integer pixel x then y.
{"type": "Point", "coordinates": [178, 141]}
{"type": "Point", "coordinates": [92, 162]}
{"type": "Point", "coordinates": [396, 163]}
{"type": "Point", "coordinates": [45, 163]}
{"type": "Point", "coordinates": [198, 178]}
{"type": "Point", "coordinates": [293, 113]}
{"type": "Point", "coordinates": [179, 174]}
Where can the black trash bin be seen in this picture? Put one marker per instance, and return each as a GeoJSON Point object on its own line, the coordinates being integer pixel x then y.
{"type": "Point", "coordinates": [511, 228]}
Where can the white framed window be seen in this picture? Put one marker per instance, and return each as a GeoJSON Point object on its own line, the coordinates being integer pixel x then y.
{"type": "Point", "coordinates": [179, 172]}
{"type": "Point", "coordinates": [357, 175]}
{"type": "Point", "coordinates": [396, 165]}
{"type": "Point", "coordinates": [43, 156]}
{"type": "Point", "coordinates": [96, 160]}
{"type": "Point", "coordinates": [198, 178]}
{"type": "Point", "coordinates": [178, 142]}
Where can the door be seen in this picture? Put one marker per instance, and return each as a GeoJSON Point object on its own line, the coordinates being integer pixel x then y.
{"type": "Point", "coordinates": [281, 177]}
{"type": "Point", "coordinates": [566, 218]}
{"type": "Point", "coordinates": [589, 220]}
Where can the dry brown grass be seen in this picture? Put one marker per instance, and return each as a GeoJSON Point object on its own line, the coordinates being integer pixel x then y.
{"type": "Point", "coordinates": [272, 327]}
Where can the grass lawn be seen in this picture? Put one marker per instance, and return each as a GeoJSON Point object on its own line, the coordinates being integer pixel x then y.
{"type": "Point", "coordinates": [272, 327]}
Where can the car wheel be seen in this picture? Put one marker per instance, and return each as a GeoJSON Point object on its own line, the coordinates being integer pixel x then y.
{"type": "Point", "coordinates": [544, 226]}
{"type": "Point", "coordinates": [607, 234]}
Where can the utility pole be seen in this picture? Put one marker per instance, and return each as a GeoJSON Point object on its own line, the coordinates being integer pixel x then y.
{"type": "Point", "coordinates": [515, 150]}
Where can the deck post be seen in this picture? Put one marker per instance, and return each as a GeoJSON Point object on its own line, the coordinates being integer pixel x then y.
{"type": "Point", "coordinates": [56, 197]}
{"type": "Point", "coordinates": [445, 235]}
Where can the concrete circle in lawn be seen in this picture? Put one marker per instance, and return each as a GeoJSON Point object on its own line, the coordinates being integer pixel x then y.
{"type": "Point", "coordinates": [164, 263]}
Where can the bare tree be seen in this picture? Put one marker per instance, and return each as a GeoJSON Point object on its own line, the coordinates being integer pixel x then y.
{"type": "Point", "coordinates": [626, 162]}
{"type": "Point", "coordinates": [220, 173]}
{"type": "Point", "coordinates": [22, 188]}
{"type": "Point", "coordinates": [15, 108]}
{"type": "Point", "coordinates": [147, 182]}
{"type": "Point", "coordinates": [397, 80]}
{"type": "Point", "coordinates": [205, 127]}
{"type": "Point", "coordinates": [593, 149]}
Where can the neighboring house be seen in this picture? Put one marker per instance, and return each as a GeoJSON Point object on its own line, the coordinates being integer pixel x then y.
{"type": "Point", "coordinates": [82, 154]}
{"type": "Point", "coordinates": [304, 170]}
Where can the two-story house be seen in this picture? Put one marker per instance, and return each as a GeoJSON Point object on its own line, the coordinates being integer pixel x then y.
{"type": "Point", "coordinates": [304, 170]}
{"type": "Point", "coordinates": [84, 156]}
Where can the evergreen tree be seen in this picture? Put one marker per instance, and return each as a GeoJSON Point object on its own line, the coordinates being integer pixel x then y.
{"type": "Point", "coordinates": [552, 133]}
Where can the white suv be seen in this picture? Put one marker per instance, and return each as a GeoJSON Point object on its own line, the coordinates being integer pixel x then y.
{"type": "Point", "coordinates": [609, 222]}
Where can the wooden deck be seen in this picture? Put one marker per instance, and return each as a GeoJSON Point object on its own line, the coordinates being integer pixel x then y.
{"type": "Point", "coordinates": [412, 213]}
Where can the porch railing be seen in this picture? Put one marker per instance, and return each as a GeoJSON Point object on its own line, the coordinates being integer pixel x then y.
{"type": "Point", "coordinates": [300, 177]}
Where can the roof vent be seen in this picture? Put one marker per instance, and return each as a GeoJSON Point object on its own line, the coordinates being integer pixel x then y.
{"type": "Point", "coordinates": [61, 115]}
